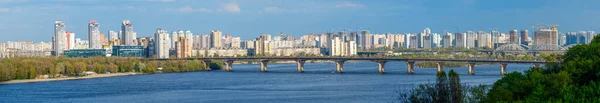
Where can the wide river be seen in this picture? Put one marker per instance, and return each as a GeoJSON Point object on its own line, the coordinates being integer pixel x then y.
{"type": "Point", "coordinates": [282, 83]}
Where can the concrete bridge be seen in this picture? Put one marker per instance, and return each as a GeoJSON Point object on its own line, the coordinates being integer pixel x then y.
{"type": "Point", "coordinates": [339, 61]}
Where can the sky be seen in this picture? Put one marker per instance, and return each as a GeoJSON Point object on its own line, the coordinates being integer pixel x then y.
{"type": "Point", "coordinates": [33, 20]}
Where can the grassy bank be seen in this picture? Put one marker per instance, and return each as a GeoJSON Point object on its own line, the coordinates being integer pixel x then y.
{"type": "Point", "coordinates": [60, 67]}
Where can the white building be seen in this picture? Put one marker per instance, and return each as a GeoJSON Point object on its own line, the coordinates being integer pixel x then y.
{"type": "Point", "coordinates": [60, 41]}
{"type": "Point", "coordinates": [339, 47]}
{"type": "Point", "coordinates": [162, 44]}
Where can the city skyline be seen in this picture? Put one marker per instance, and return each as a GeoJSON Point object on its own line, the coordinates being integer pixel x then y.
{"type": "Point", "coordinates": [250, 19]}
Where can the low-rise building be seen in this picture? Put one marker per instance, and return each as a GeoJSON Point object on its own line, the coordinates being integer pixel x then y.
{"type": "Point", "coordinates": [297, 51]}
{"type": "Point", "coordinates": [129, 51]}
{"type": "Point", "coordinates": [214, 52]}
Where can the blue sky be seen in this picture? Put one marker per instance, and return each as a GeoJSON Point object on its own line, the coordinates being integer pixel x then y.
{"type": "Point", "coordinates": [32, 20]}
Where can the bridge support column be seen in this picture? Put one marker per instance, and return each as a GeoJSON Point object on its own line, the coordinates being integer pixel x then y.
{"type": "Point", "coordinates": [300, 64]}
{"type": "Point", "coordinates": [471, 68]}
{"type": "Point", "coordinates": [339, 66]}
{"type": "Point", "coordinates": [440, 66]}
{"type": "Point", "coordinates": [536, 65]}
{"type": "Point", "coordinates": [207, 64]}
{"type": "Point", "coordinates": [381, 66]}
{"type": "Point", "coordinates": [410, 67]}
{"type": "Point", "coordinates": [228, 65]}
{"type": "Point", "coordinates": [263, 65]}
{"type": "Point", "coordinates": [503, 68]}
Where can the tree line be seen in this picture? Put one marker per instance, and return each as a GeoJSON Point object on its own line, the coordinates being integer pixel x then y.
{"type": "Point", "coordinates": [55, 67]}
{"type": "Point", "coordinates": [574, 79]}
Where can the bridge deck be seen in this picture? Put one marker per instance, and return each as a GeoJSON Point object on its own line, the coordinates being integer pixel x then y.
{"type": "Point", "coordinates": [359, 59]}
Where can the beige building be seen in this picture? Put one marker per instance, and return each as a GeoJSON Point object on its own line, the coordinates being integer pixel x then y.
{"type": "Point", "coordinates": [220, 52]}
{"type": "Point", "coordinates": [296, 51]}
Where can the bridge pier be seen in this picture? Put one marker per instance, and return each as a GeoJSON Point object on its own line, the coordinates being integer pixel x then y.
{"type": "Point", "coordinates": [381, 66]}
{"type": "Point", "coordinates": [207, 64]}
{"type": "Point", "coordinates": [300, 64]}
{"type": "Point", "coordinates": [536, 65]}
{"type": "Point", "coordinates": [340, 66]}
{"type": "Point", "coordinates": [410, 67]}
{"type": "Point", "coordinates": [503, 68]}
{"type": "Point", "coordinates": [263, 65]}
{"type": "Point", "coordinates": [228, 65]}
{"type": "Point", "coordinates": [440, 66]}
{"type": "Point", "coordinates": [471, 68]}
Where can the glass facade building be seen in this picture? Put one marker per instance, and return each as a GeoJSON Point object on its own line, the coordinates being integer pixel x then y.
{"type": "Point", "coordinates": [85, 53]}
{"type": "Point", "coordinates": [129, 51]}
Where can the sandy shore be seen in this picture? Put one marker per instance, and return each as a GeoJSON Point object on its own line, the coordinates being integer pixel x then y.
{"type": "Point", "coordinates": [67, 78]}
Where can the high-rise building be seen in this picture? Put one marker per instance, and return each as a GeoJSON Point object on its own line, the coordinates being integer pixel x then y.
{"type": "Point", "coordinates": [574, 38]}
{"type": "Point", "coordinates": [495, 36]}
{"type": "Point", "coordinates": [525, 37]}
{"type": "Point", "coordinates": [205, 41]}
{"type": "Point", "coordinates": [514, 37]}
{"type": "Point", "coordinates": [128, 34]}
{"type": "Point", "coordinates": [447, 40]}
{"type": "Point", "coordinates": [70, 36]}
{"type": "Point", "coordinates": [235, 42]}
{"type": "Point", "coordinates": [113, 37]}
{"type": "Point", "coordinates": [162, 44]}
{"type": "Point", "coordinates": [93, 34]}
{"type": "Point", "coordinates": [590, 36]}
{"type": "Point", "coordinates": [461, 40]}
{"type": "Point", "coordinates": [413, 41]}
{"type": "Point", "coordinates": [470, 39]}
{"type": "Point", "coordinates": [484, 40]}
{"type": "Point", "coordinates": [60, 42]}
{"type": "Point", "coordinates": [340, 48]}
{"type": "Point", "coordinates": [215, 39]}
{"type": "Point", "coordinates": [546, 36]}
{"type": "Point", "coordinates": [366, 40]}
{"type": "Point", "coordinates": [427, 42]}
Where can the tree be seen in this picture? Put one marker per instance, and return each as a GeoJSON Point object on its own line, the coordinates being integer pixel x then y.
{"type": "Point", "coordinates": [80, 67]}
{"type": "Point", "coordinates": [455, 87]}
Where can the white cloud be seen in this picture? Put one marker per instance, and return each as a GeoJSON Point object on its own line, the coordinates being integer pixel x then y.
{"type": "Point", "coordinates": [231, 7]}
{"type": "Point", "coordinates": [162, 0]}
{"type": "Point", "coordinates": [348, 4]}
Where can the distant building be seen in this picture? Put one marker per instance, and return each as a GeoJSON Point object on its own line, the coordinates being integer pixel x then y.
{"type": "Point", "coordinates": [514, 38]}
{"type": "Point", "coordinates": [366, 40]}
{"type": "Point", "coordinates": [85, 53]}
{"type": "Point", "coordinates": [129, 51]}
{"type": "Point", "coordinates": [162, 44]}
{"type": "Point", "coordinates": [341, 48]}
{"type": "Point", "coordinates": [447, 40]}
{"type": "Point", "coordinates": [525, 37]}
{"type": "Point", "coordinates": [546, 36]}
{"type": "Point", "coordinates": [212, 52]}
{"type": "Point", "coordinates": [93, 34]}
{"type": "Point", "coordinates": [128, 34]}
{"type": "Point", "coordinates": [461, 40]}
{"type": "Point", "coordinates": [60, 41]}
{"type": "Point", "coordinates": [215, 39]}
{"type": "Point", "coordinates": [470, 39]}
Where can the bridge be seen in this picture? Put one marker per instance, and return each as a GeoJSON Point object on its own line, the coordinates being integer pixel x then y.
{"type": "Point", "coordinates": [339, 61]}
{"type": "Point", "coordinates": [506, 48]}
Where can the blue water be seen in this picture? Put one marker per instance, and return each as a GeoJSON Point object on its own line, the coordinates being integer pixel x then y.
{"type": "Point", "coordinates": [359, 84]}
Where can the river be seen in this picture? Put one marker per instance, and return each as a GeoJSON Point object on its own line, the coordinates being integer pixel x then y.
{"type": "Point", "coordinates": [282, 83]}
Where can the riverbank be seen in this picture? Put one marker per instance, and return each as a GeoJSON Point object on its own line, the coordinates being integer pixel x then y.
{"type": "Point", "coordinates": [68, 78]}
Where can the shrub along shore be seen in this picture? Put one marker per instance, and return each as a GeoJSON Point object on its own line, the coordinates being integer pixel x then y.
{"type": "Point", "coordinates": [61, 67]}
